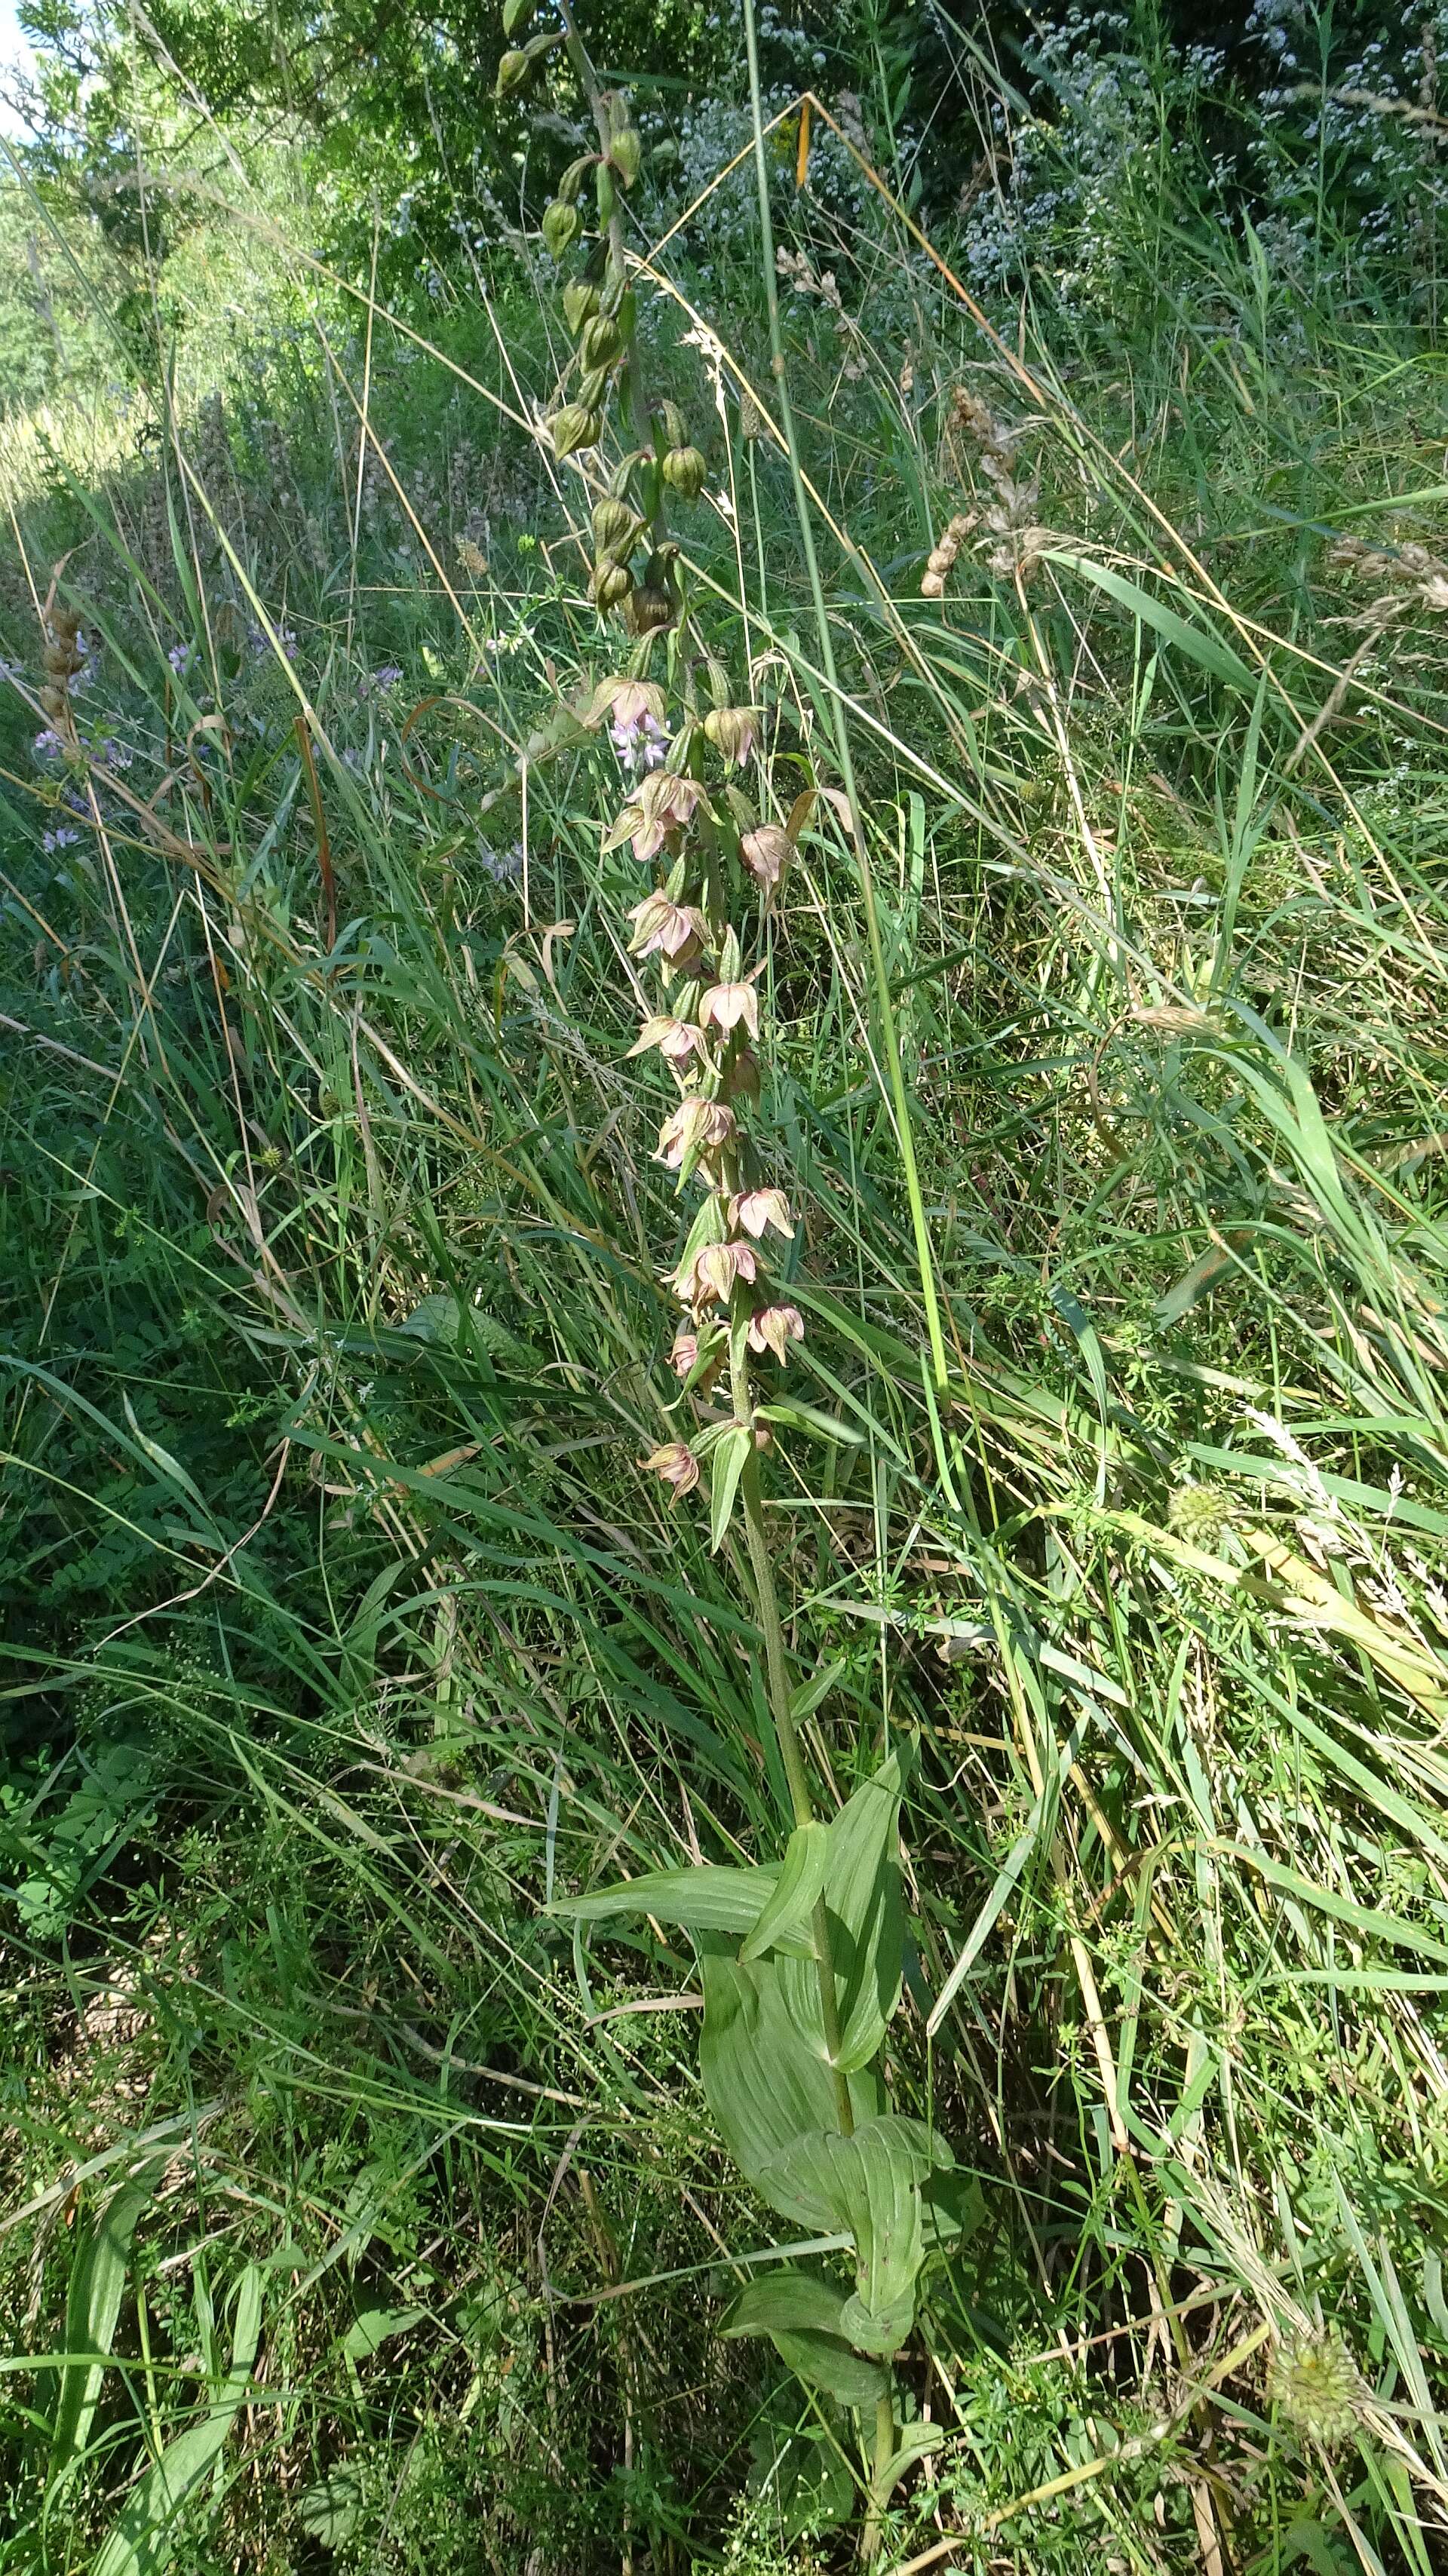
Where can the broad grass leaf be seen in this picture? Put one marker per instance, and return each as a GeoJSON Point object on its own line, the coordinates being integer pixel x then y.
{"type": "Point", "coordinates": [93, 2304]}
{"type": "Point", "coordinates": [140, 2540]}
{"type": "Point", "coordinates": [1198, 642]}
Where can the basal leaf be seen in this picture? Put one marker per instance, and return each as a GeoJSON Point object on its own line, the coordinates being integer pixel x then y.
{"type": "Point", "coordinates": [869, 2185]}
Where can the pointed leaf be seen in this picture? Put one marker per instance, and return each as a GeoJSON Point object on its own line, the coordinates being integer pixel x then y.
{"type": "Point", "coordinates": [763, 2088]}
{"type": "Point", "coordinates": [140, 2540]}
{"type": "Point", "coordinates": [801, 2314]}
{"type": "Point", "coordinates": [867, 1922]}
{"type": "Point", "coordinates": [726, 1467]}
{"type": "Point", "coordinates": [801, 1878]}
{"type": "Point", "coordinates": [93, 2304]}
{"type": "Point", "coordinates": [702, 1900]}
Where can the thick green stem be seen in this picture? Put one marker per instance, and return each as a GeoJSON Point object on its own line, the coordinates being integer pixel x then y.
{"type": "Point", "coordinates": [924, 1255]}
{"type": "Point", "coordinates": [874, 2531]}
{"type": "Point", "coordinates": [786, 1732]}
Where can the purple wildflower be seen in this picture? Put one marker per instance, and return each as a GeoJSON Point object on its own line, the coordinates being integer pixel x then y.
{"type": "Point", "coordinates": [641, 742]}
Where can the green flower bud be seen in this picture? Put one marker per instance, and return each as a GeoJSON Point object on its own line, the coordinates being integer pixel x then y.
{"type": "Point", "coordinates": [592, 388]}
{"type": "Point", "coordinates": [517, 15]}
{"type": "Point", "coordinates": [573, 427]}
{"type": "Point", "coordinates": [673, 425]}
{"type": "Point", "coordinates": [615, 528]}
{"type": "Point", "coordinates": [599, 341]}
{"type": "Point", "coordinates": [580, 303]}
{"type": "Point", "coordinates": [573, 178]}
{"type": "Point", "coordinates": [606, 193]}
{"type": "Point", "coordinates": [651, 608]}
{"type": "Point", "coordinates": [611, 583]}
{"type": "Point", "coordinates": [561, 227]}
{"type": "Point", "coordinates": [625, 153]}
{"type": "Point", "coordinates": [512, 71]}
{"type": "Point", "coordinates": [685, 472]}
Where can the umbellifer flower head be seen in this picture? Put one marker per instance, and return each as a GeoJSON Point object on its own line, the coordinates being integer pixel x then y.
{"type": "Point", "coordinates": [696, 1127]}
{"type": "Point", "coordinates": [711, 1272]}
{"type": "Point", "coordinates": [677, 1465]}
{"type": "Point", "coordinates": [675, 930]}
{"type": "Point", "coordinates": [773, 1328]}
{"type": "Point", "coordinates": [752, 1210]}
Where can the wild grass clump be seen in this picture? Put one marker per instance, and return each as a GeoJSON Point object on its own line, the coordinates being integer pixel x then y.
{"type": "Point", "coordinates": [1030, 739]}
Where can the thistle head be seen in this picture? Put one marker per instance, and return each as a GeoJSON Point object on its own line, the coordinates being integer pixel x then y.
{"type": "Point", "coordinates": [1199, 1514]}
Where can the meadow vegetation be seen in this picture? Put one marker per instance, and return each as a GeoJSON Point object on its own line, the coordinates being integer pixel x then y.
{"type": "Point", "coordinates": [1082, 568]}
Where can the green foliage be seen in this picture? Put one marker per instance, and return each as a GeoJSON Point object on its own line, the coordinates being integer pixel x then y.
{"type": "Point", "coordinates": [344, 1641]}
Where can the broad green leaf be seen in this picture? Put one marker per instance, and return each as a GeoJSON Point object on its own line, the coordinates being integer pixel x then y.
{"type": "Point", "coordinates": [763, 2088]}
{"type": "Point", "coordinates": [140, 2540]}
{"type": "Point", "coordinates": [701, 1900]}
{"type": "Point", "coordinates": [726, 1466]}
{"type": "Point", "coordinates": [866, 1920]}
{"type": "Point", "coordinates": [802, 2315]}
{"type": "Point", "coordinates": [797, 1889]}
{"type": "Point", "coordinates": [93, 2304]}
{"type": "Point", "coordinates": [870, 2185]}
{"type": "Point", "coordinates": [375, 2327]}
